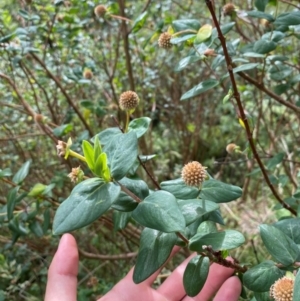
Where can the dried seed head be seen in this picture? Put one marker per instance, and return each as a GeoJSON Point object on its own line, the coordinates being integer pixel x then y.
{"type": "Point", "coordinates": [76, 175]}
{"type": "Point", "coordinates": [87, 74]}
{"type": "Point", "coordinates": [39, 118]}
{"type": "Point", "coordinates": [164, 40]}
{"type": "Point", "coordinates": [100, 10]}
{"type": "Point", "coordinates": [231, 147]}
{"type": "Point", "coordinates": [128, 101]}
{"type": "Point", "coordinates": [193, 174]}
{"type": "Point", "coordinates": [282, 289]}
{"type": "Point", "coordinates": [209, 52]}
{"type": "Point", "coordinates": [228, 9]}
{"type": "Point", "coordinates": [61, 148]}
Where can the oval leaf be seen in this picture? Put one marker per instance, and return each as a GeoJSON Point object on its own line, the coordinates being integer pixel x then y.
{"type": "Point", "coordinates": [179, 189]}
{"type": "Point", "coordinates": [195, 275]}
{"type": "Point", "coordinates": [296, 291]}
{"type": "Point", "coordinates": [139, 125]}
{"type": "Point", "coordinates": [193, 209]}
{"type": "Point", "coordinates": [160, 211]}
{"type": "Point", "coordinates": [155, 249]}
{"type": "Point", "coordinates": [219, 192]}
{"type": "Point", "coordinates": [121, 152]}
{"type": "Point", "coordinates": [282, 248]}
{"type": "Point", "coordinates": [22, 173]}
{"type": "Point", "coordinates": [200, 88]}
{"type": "Point", "coordinates": [261, 277]}
{"type": "Point", "coordinates": [224, 240]}
{"type": "Point", "coordinates": [87, 202]}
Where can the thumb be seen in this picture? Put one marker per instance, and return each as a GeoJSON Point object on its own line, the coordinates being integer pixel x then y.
{"type": "Point", "coordinates": [62, 274]}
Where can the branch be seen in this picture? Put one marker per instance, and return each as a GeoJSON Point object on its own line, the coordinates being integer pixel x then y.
{"type": "Point", "coordinates": [242, 115]}
{"type": "Point", "coordinates": [64, 92]}
{"type": "Point", "coordinates": [268, 92]}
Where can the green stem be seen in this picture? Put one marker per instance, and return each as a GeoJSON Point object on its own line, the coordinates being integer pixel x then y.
{"type": "Point", "coordinates": [76, 155]}
{"type": "Point", "coordinates": [127, 121]}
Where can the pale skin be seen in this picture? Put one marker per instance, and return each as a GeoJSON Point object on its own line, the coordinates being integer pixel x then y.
{"type": "Point", "coordinates": [62, 281]}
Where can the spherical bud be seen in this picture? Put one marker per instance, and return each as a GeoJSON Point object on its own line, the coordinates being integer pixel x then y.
{"type": "Point", "coordinates": [282, 289]}
{"type": "Point", "coordinates": [76, 175]}
{"type": "Point", "coordinates": [231, 147]}
{"type": "Point", "coordinates": [228, 9]}
{"type": "Point", "coordinates": [87, 74]}
{"type": "Point", "coordinates": [164, 40]}
{"type": "Point", "coordinates": [61, 148]}
{"type": "Point", "coordinates": [209, 52]}
{"type": "Point", "coordinates": [128, 101]}
{"type": "Point", "coordinates": [100, 10]}
{"type": "Point", "coordinates": [193, 174]}
{"type": "Point", "coordinates": [39, 118]}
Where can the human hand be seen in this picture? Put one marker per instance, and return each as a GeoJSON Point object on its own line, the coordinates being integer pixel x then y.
{"type": "Point", "coordinates": [62, 281]}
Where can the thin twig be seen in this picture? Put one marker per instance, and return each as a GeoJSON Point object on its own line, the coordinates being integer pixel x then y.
{"type": "Point", "coordinates": [242, 114]}
{"type": "Point", "coordinates": [64, 92]}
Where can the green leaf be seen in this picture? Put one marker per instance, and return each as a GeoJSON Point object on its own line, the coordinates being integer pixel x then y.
{"type": "Point", "coordinates": [265, 296]}
{"type": "Point", "coordinates": [107, 135]}
{"type": "Point", "coordinates": [219, 192]}
{"type": "Point", "coordinates": [22, 173]}
{"type": "Point", "coordinates": [290, 227]}
{"type": "Point", "coordinates": [273, 162]}
{"type": "Point", "coordinates": [280, 246]}
{"type": "Point", "coordinates": [46, 223]}
{"type": "Point", "coordinates": [62, 130]}
{"type": "Point", "coordinates": [121, 220]}
{"type": "Point", "coordinates": [260, 15]}
{"type": "Point", "coordinates": [36, 229]}
{"type": "Point", "coordinates": [275, 36]}
{"type": "Point", "coordinates": [88, 152]}
{"type": "Point", "coordinates": [122, 152]}
{"type": "Point", "coordinates": [101, 169]}
{"type": "Point", "coordinates": [5, 173]}
{"type": "Point", "coordinates": [224, 240]}
{"type": "Point", "coordinates": [155, 249]}
{"type": "Point", "coordinates": [245, 67]}
{"type": "Point", "coordinates": [179, 189]}
{"type": "Point", "coordinates": [139, 22]}
{"type": "Point", "coordinates": [261, 4]}
{"type": "Point", "coordinates": [195, 208]}
{"type": "Point", "coordinates": [97, 148]}
{"type": "Point", "coordinates": [195, 275]}
{"type": "Point", "coordinates": [160, 211]}
{"type": "Point", "coordinates": [200, 88]}
{"type": "Point", "coordinates": [37, 189]}
{"type": "Point", "coordinates": [177, 40]}
{"type": "Point", "coordinates": [284, 20]}
{"type": "Point", "coordinates": [12, 198]}
{"type": "Point", "coordinates": [262, 276]}
{"type": "Point", "coordinates": [186, 62]}
{"type": "Point", "coordinates": [296, 291]}
{"type": "Point", "coordinates": [264, 46]}
{"type": "Point", "coordinates": [280, 72]}
{"type": "Point", "coordinates": [139, 126]}
{"type": "Point", "coordinates": [86, 203]}
{"type": "Point", "coordinates": [186, 24]}
{"type": "Point", "coordinates": [124, 202]}
{"type": "Point", "coordinates": [203, 34]}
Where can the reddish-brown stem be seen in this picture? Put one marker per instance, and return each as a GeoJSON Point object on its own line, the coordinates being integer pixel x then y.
{"type": "Point", "coordinates": [241, 111]}
{"type": "Point", "coordinates": [64, 92]}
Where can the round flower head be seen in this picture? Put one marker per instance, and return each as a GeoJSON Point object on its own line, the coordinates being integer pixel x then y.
{"type": "Point", "coordinates": [87, 74]}
{"type": "Point", "coordinates": [128, 101]}
{"type": "Point", "coordinates": [193, 174]}
{"type": "Point", "coordinates": [230, 148]}
{"type": "Point", "coordinates": [228, 9]}
{"type": "Point", "coordinates": [100, 10]}
{"type": "Point", "coordinates": [164, 40]}
{"type": "Point", "coordinates": [282, 289]}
